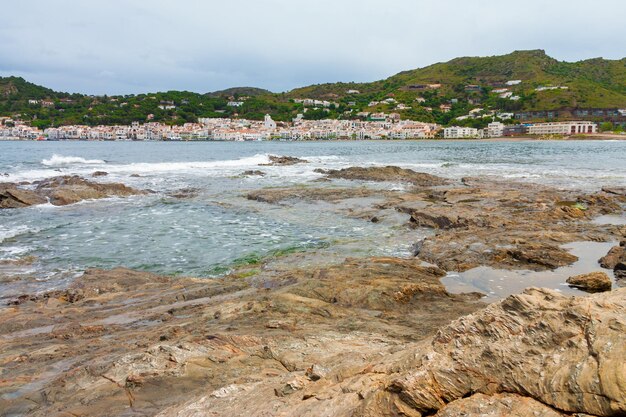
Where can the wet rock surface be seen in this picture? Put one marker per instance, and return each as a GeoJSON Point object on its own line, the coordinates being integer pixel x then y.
{"type": "Point", "coordinates": [122, 341]}
{"type": "Point", "coordinates": [388, 173]}
{"type": "Point", "coordinates": [284, 160]}
{"type": "Point", "coordinates": [59, 191]}
{"type": "Point", "coordinates": [253, 173]}
{"type": "Point", "coordinates": [279, 195]}
{"type": "Point", "coordinates": [616, 260]}
{"type": "Point", "coordinates": [372, 336]}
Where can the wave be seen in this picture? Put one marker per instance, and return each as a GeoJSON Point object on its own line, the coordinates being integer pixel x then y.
{"type": "Point", "coordinates": [9, 233]}
{"type": "Point", "coordinates": [195, 166]}
{"type": "Point", "coordinates": [57, 160]}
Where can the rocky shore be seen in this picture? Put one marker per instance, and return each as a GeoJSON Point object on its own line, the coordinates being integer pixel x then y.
{"type": "Point", "coordinates": [373, 336]}
{"type": "Point", "coordinates": [60, 191]}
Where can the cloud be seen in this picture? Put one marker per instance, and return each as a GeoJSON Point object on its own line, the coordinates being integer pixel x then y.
{"type": "Point", "coordinates": [131, 46]}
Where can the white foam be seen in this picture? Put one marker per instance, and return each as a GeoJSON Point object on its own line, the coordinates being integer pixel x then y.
{"type": "Point", "coordinates": [197, 167]}
{"type": "Point", "coordinates": [58, 160]}
{"type": "Point", "coordinates": [9, 233]}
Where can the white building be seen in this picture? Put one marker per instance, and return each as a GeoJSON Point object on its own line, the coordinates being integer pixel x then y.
{"type": "Point", "coordinates": [563, 128]}
{"type": "Point", "coordinates": [456, 132]}
{"type": "Point", "coordinates": [494, 130]}
{"type": "Point", "coordinates": [269, 123]}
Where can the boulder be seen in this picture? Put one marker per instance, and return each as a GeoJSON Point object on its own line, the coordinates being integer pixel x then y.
{"type": "Point", "coordinates": [60, 191]}
{"type": "Point", "coordinates": [13, 197]}
{"type": "Point", "coordinates": [592, 282]}
{"type": "Point", "coordinates": [616, 255]}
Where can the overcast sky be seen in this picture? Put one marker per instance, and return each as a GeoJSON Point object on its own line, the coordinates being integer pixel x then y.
{"type": "Point", "coordinates": [133, 46]}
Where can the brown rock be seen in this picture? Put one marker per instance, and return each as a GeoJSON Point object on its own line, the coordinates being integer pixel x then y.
{"type": "Point", "coordinates": [566, 352]}
{"type": "Point", "coordinates": [316, 372]}
{"type": "Point", "coordinates": [253, 173]}
{"type": "Point", "coordinates": [592, 282]}
{"type": "Point", "coordinates": [17, 198]}
{"type": "Point", "coordinates": [279, 195]}
{"type": "Point", "coordinates": [481, 405]}
{"type": "Point", "coordinates": [615, 190]}
{"type": "Point", "coordinates": [284, 160]}
{"type": "Point", "coordinates": [616, 255]}
{"type": "Point", "coordinates": [388, 173]}
{"type": "Point", "coordinates": [100, 174]}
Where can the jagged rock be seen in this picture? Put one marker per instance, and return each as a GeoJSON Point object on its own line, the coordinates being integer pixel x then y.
{"type": "Point", "coordinates": [290, 387]}
{"type": "Point", "coordinates": [60, 191]}
{"type": "Point", "coordinates": [616, 255]}
{"type": "Point", "coordinates": [388, 173]}
{"type": "Point", "coordinates": [316, 372]}
{"type": "Point", "coordinates": [12, 197]}
{"type": "Point", "coordinates": [284, 160]}
{"type": "Point", "coordinates": [438, 221]}
{"type": "Point", "coordinates": [253, 173]}
{"type": "Point", "coordinates": [566, 352]}
{"type": "Point", "coordinates": [620, 273]}
{"type": "Point", "coordinates": [72, 189]}
{"type": "Point", "coordinates": [593, 282]}
{"type": "Point", "coordinates": [188, 192]}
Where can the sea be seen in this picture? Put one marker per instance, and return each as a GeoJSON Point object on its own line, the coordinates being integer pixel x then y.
{"type": "Point", "coordinates": [216, 228]}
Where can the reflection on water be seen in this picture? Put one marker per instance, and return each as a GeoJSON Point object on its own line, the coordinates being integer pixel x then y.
{"type": "Point", "coordinates": [499, 283]}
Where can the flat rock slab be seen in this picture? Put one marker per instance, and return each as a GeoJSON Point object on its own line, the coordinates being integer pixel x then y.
{"type": "Point", "coordinates": [388, 173]}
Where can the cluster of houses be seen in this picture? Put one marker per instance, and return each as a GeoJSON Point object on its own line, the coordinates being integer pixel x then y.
{"type": "Point", "coordinates": [300, 129]}
{"type": "Point", "coordinates": [380, 127]}
{"type": "Point", "coordinates": [498, 129]}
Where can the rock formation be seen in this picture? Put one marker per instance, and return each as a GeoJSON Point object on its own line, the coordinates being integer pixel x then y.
{"type": "Point", "coordinates": [592, 282]}
{"type": "Point", "coordinates": [59, 191]}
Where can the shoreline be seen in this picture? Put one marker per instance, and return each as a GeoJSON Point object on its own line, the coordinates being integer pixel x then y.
{"type": "Point", "coordinates": [303, 333]}
{"type": "Point", "coordinates": [598, 137]}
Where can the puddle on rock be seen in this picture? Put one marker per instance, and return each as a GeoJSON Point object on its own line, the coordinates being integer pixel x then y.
{"type": "Point", "coordinates": [610, 219]}
{"type": "Point", "coordinates": [500, 283]}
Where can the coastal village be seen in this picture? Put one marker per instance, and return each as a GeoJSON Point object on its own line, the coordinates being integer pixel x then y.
{"type": "Point", "coordinates": [379, 126]}
{"type": "Point", "coordinates": [385, 118]}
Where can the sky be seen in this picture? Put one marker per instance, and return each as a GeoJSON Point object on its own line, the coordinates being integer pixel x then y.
{"type": "Point", "coordinates": [138, 46]}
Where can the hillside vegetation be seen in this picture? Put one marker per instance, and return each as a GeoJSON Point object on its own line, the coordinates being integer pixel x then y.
{"type": "Point", "coordinates": [463, 83]}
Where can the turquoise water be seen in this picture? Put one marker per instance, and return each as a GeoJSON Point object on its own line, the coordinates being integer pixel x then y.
{"type": "Point", "coordinates": [205, 234]}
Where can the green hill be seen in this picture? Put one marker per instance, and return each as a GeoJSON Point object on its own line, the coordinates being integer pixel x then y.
{"type": "Point", "coordinates": [462, 83]}
{"type": "Point", "coordinates": [240, 92]}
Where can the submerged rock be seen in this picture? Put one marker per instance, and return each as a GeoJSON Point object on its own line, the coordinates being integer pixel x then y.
{"type": "Point", "coordinates": [592, 282]}
{"type": "Point", "coordinates": [253, 173]}
{"type": "Point", "coordinates": [100, 174]}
